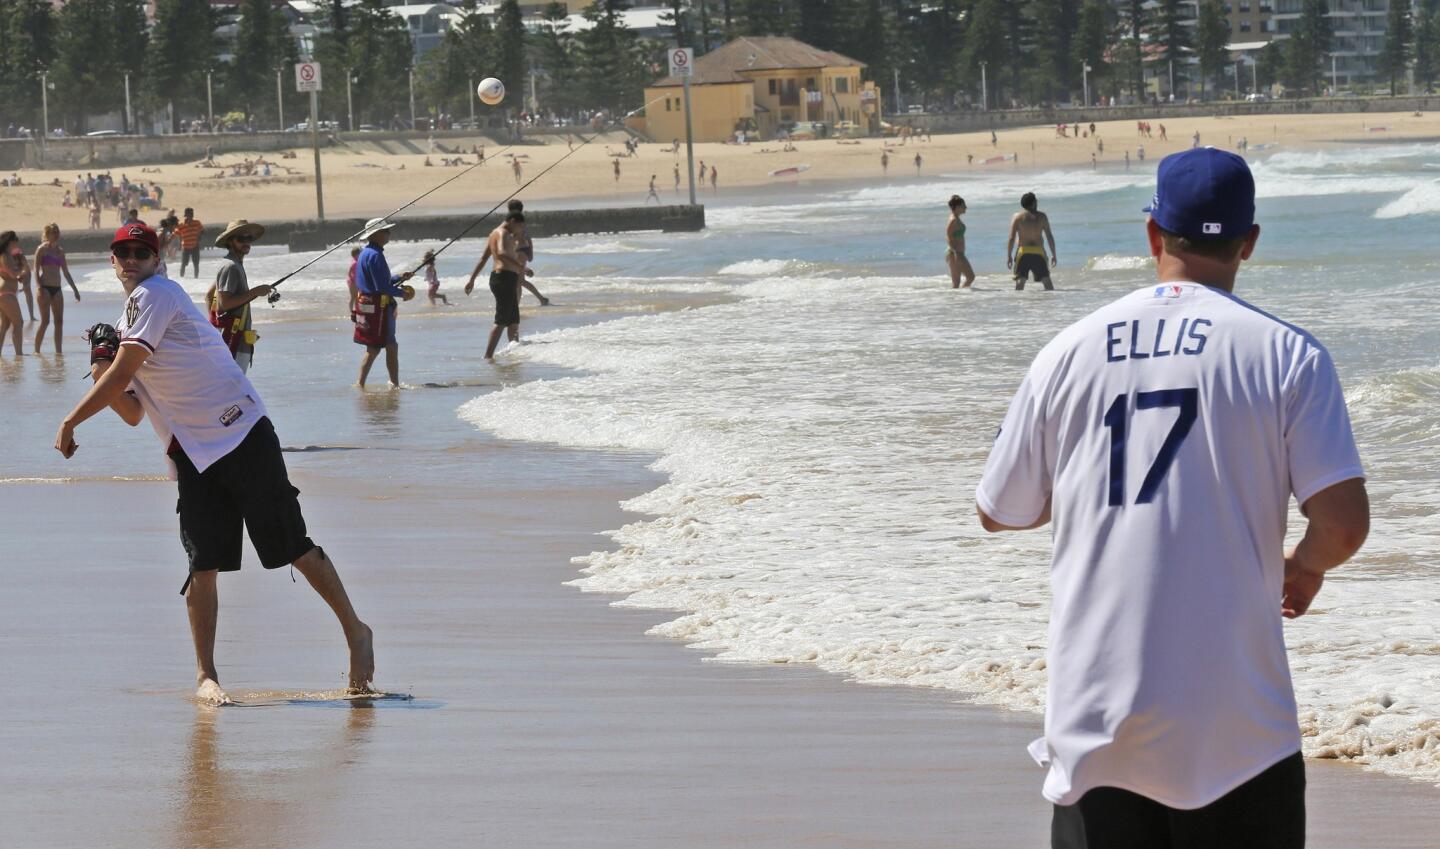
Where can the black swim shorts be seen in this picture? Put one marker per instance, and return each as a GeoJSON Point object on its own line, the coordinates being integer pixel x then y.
{"type": "Point", "coordinates": [1031, 264]}
{"type": "Point", "coordinates": [247, 487]}
{"type": "Point", "coordinates": [505, 286]}
{"type": "Point", "coordinates": [1266, 811]}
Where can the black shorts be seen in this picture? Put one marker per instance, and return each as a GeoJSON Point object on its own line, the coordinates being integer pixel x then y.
{"type": "Point", "coordinates": [189, 255]}
{"type": "Point", "coordinates": [246, 487]}
{"type": "Point", "coordinates": [505, 286]}
{"type": "Point", "coordinates": [1031, 264]}
{"type": "Point", "coordinates": [1266, 812]}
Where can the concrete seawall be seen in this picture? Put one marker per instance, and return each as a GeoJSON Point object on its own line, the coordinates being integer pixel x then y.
{"type": "Point", "coordinates": [1000, 119]}
{"type": "Point", "coordinates": [318, 235]}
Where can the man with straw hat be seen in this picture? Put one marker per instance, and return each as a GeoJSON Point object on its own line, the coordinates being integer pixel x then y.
{"type": "Point", "coordinates": [377, 293]}
{"type": "Point", "coordinates": [229, 300]}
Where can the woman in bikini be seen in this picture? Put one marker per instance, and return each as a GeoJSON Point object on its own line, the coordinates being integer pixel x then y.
{"type": "Point", "coordinates": [11, 320]}
{"type": "Point", "coordinates": [50, 260]}
{"type": "Point", "coordinates": [961, 274]}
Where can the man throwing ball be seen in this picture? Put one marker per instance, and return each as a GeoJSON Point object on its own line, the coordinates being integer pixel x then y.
{"type": "Point", "coordinates": [1166, 434]}
{"type": "Point", "coordinates": [164, 360]}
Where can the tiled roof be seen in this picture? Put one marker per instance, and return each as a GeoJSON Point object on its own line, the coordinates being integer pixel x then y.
{"type": "Point", "coordinates": [758, 53]}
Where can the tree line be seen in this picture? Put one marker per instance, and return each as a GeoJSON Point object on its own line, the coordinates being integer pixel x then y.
{"type": "Point", "coordinates": [934, 51]}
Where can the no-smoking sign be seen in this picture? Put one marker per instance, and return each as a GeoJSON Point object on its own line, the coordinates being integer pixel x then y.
{"type": "Point", "coordinates": [307, 76]}
{"type": "Point", "coordinates": [680, 61]}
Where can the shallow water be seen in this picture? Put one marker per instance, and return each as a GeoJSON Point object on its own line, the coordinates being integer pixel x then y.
{"type": "Point", "coordinates": [822, 402]}
{"type": "Point", "coordinates": [823, 432]}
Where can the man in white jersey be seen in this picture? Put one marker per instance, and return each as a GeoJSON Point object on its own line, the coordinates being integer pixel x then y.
{"type": "Point", "coordinates": [169, 364]}
{"type": "Point", "coordinates": [1165, 434]}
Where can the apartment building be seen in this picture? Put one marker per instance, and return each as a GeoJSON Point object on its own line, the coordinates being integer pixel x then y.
{"type": "Point", "coordinates": [1359, 27]}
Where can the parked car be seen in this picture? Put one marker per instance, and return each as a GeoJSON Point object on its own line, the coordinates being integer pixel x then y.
{"type": "Point", "coordinates": [807, 130]}
{"type": "Point", "coordinates": [102, 134]}
{"type": "Point", "coordinates": [846, 129]}
{"type": "Point", "coordinates": [1257, 97]}
{"type": "Point", "coordinates": [915, 109]}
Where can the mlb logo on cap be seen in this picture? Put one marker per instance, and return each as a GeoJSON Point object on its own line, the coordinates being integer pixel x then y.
{"type": "Point", "coordinates": [1204, 194]}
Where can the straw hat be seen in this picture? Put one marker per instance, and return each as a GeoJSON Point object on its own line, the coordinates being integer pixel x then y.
{"type": "Point", "coordinates": [375, 225]}
{"type": "Point", "coordinates": [239, 227]}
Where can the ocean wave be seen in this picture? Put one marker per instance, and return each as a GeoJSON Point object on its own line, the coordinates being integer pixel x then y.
{"type": "Point", "coordinates": [1424, 199]}
{"type": "Point", "coordinates": [817, 473]}
{"type": "Point", "coordinates": [1119, 262]}
{"type": "Point", "coordinates": [596, 248]}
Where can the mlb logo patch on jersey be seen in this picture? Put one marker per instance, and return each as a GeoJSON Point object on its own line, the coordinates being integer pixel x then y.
{"type": "Point", "coordinates": [1168, 291]}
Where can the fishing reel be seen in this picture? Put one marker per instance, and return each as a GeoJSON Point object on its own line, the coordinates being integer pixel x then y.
{"type": "Point", "coordinates": [274, 297]}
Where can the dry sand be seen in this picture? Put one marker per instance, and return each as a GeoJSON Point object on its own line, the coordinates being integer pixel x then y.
{"type": "Point", "coordinates": [361, 180]}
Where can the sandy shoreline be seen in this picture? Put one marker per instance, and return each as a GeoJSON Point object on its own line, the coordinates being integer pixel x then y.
{"type": "Point", "coordinates": [361, 180]}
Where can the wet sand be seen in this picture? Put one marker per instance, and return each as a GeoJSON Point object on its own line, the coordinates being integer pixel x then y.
{"type": "Point", "coordinates": [542, 716]}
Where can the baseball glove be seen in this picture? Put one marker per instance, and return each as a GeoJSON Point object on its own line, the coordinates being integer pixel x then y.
{"type": "Point", "coordinates": [104, 343]}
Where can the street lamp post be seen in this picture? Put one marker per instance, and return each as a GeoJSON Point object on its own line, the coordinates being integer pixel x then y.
{"type": "Point", "coordinates": [44, 112]}
{"type": "Point", "coordinates": [209, 105]}
{"type": "Point", "coordinates": [470, 87]}
{"type": "Point", "coordinates": [349, 100]}
{"type": "Point", "coordinates": [129, 116]}
{"type": "Point", "coordinates": [1085, 81]}
{"type": "Point", "coordinates": [412, 98]}
{"type": "Point", "coordinates": [1172, 79]}
{"type": "Point", "coordinates": [984, 93]}
{"type": "Point", "coordinates": [1237, 79]}
{"type": "Point", "coordinates": [1334, 76]}
{"type": "Point", "coordinates": [279, 101]}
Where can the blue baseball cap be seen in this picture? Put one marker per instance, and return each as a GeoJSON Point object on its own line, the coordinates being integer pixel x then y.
{"type": "Point", "coordinates": [1204, 193]}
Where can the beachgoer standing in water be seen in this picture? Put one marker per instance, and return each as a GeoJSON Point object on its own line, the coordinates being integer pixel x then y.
{"type": "Point", "coordinates": [1031, 228]}
{"type": "Point", "coordinates": [350, 278]}
{"type": "Point", "coordinates": [653, 194]}
{"type": "Point", "coordinates": [432, 280]}
{"type": "Point", "coordinates": [504, 246]}
{"type": "Point", "coordinates": [376, 285]}
{"type": "Point", "coordinates": [11, 319]}
{"type": "Point", "coordinates": [165, 361]}
{"type": "Point", "coordinates": [1166, 434]}
{"type": "Point", "coordinates": [50, 260]}
{"type": "Point", "coordinates": [961, 274]}
{"type": "Point", "coordinates": [23, 273]}
{"type": "Point", "coordinates": [231, 296]}
{"type": "Point", "coordinates": [189, 232]}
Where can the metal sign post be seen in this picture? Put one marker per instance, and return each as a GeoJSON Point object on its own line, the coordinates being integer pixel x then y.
{"type": "Point", "coordinates": [681, 62]}
{"type": "Point", "coordinates": [307, 78]}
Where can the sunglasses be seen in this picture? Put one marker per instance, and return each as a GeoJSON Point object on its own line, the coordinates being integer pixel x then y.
{"type": "Point", "coordinates": [244, 240]}
{"type": "Point", "coordinates": [132, 253]}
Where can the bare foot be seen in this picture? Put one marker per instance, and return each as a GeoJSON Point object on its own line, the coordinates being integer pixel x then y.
{"type": "Point", "coordinates": [362, 660]}
{"type": "Point", "coordinates": [209, 693]}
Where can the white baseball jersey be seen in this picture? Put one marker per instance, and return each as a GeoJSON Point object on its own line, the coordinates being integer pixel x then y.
{"type": "Point", "coordinates": [1168, 430]}
{"type": "Point", "coordinates": [190, 386]}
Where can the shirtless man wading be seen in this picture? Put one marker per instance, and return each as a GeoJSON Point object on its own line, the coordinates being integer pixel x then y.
{"type": "Point", "coordinates": [1028, 227]}
{"type": "Point", "coordinates": [504, 246]}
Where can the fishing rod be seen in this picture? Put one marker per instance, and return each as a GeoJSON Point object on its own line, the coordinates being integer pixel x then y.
{"type": "Point", "coordinates": [583, 142]}
{"type": "Point", "coordinates": [275, 294]}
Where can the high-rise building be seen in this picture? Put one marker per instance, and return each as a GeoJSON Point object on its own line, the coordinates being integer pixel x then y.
{"type": "Point", "coordinates": [1359, 28]}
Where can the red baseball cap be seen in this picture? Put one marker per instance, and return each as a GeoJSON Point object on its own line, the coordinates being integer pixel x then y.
{"type": "Point", "coordinates": [137, 233]}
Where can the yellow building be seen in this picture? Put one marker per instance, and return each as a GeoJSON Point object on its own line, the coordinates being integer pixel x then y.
{"type": "Point", "coordinates": [762, 84]}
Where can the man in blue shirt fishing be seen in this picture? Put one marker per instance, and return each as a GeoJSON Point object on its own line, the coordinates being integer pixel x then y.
{"type": "Point", "coordinates": [377, 295]}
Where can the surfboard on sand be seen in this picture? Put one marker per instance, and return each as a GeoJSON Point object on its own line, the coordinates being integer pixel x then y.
{"type": "Point", "coordinates": [791, 171]}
